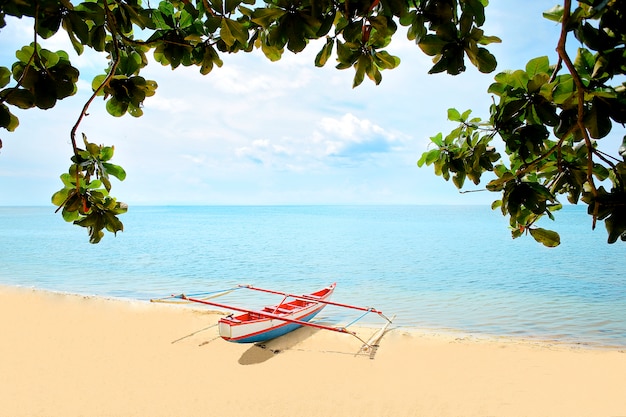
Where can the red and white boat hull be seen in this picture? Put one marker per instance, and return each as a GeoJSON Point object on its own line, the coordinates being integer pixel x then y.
{"type": "Point", "coordinates": [275, 321]}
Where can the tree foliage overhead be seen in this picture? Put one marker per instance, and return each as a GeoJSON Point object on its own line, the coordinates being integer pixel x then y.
{"type": "Point", "coordinates": [549, 116]}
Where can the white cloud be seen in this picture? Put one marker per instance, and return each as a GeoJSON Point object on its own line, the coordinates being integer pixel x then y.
{"type": "Point", "coordinates": [238, 80]}
{"type": "Point", "coordinates": [348, 137]}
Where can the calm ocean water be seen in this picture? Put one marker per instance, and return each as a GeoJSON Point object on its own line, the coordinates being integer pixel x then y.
{"type": "Point", "coordinates": [450, 268]}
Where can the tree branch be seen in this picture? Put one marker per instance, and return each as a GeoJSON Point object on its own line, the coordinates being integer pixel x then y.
{"type": "Point", "coordinates": [116, 60]}
{"type": "Point", "coordinates": [580, 92]}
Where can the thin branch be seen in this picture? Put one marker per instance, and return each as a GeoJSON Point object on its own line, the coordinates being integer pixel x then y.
{"type": "Point", "coordinates": [30, 60]}
{"type": "Point", "coordinates": [580, 92]}
{"type": "Point", "coordinates": [526, 167]}
{"type": "Point", "coordinates": [557, 68]}
{"type": "Point", "coordinates": [115, 63]}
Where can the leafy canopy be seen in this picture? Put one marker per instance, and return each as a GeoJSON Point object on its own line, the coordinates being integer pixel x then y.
{"type": "Point", "coordinates": [548, 116]}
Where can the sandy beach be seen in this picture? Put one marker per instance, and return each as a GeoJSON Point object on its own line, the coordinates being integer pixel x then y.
{"type": "Point", "coordinates": [71, 355]}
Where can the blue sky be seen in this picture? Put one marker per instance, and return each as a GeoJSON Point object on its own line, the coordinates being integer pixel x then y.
{"type": "Point", "coordinates": [257, 132]}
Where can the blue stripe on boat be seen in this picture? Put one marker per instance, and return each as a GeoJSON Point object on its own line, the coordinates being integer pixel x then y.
{"type": "Point", "coordinates": [276, 332]}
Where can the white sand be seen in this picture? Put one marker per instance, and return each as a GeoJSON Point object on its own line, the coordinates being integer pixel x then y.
{"type": "Point", "coordinates": [68, 355]}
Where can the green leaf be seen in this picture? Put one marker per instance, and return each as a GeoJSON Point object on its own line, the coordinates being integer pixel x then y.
{"type": "Point", "coordinates": [476, 9]}
{"type": "Point", "coordinates": [497, 89]}
{"type": "Point", "coordinates": [8, 119]}
{"type": "Point", "coordinates": [265, 17]}
{"type": "Point", "coordinates": [385, 60]}
{"type": "Point", "coordinates": [68, 180]}
{"type": "Point", "coordinates": [485, 61]}
{"type": "Point", "coordinates": [297, 31]}
{"type": "Point", "coordinates": [555, 14]}
{"type": "Point", "coordinates": [537, 65]}
{"type": "Point", "coordinates": [373, 73]}
{"type": "Point", "coordinates": [459, 179]}
{"type": "Point", "coordinates": [92, 148]}
{"type": "Point", "coordinates": [70, 216]}
{"type": "Point", "coordinates": [49, 57]}
{"type": "Point", "coordinates": [49, 23]}
{"type": "Point", "coordinates": [454, 115]}
{"type": "Point", "coordinates": [94, 185]}
{"type": "Point", "coordinates": [519, 79]}
{"type": "Point", "coordinates": [116, 108]}
{"type": "Point", "coordinates": [106, 182]}
{"type": "Point", "coordinates": [25, 53]}
{"type": "Point", "coordinates": [112, 223]}
{"type": "Point", "coordinates": [563, 90]}
{"type": "Point", "coordinates": [5, 76]}
{"type": "Point", "coordinates": [546, 113]}
{"type": "Point", "coordinates": [546, 237]}
{"type": "Point", "coordinates": [537, 82]}
{"type": "Point", "coordinates": [106, 153]}
{"type": "Point", "coordinates": [361, 67]}
{"type": "Point", "coordinates": [186, 19]}
{"type": "Point", "coordinates": [428, 157]}
{"type": "Point", "coordinates": [60, 196]}
{"type": "Point", "coordinates": [98, 37]}
{"type": "Point", "coordinates": [162, 20]}
{"type": "Point", "coordinates": [616, 225]}
{"type": "Point", "coordinates": [78, 26]}
{"type": "Point", "coordinates": [19, 97]}
{"type": "Point", "coordinates": [601, 172]}
{"type": "Point", "coordinates": [432, 45]}
{"type": "Point", "coordinates": [135, 111]}
{"type": "Point", "coordinates": [324, 54]}
{"type": "Point", "coordinates": [499, 183]}
{"type": "Point", "coordinates": [486, 40]}
{"type": "Point", "coordinates": [232, 31]}
{"type": "Point", "coordinates": [273, 53]}
{"type": "Point", "coordinates": [346, 55]}
{"type": "Point", "coordinates": [97, 82]}
{"type": "Point", "coordinates": [417, 29]}
{"type": "Point", "coordinates": [231, 5]}
{"type": "Point", "coordinates": [584, 63]}
{"type": "Point", "coordinates": [597, 121]}
{"type": "Point", "coordinates": [437, 139]}
{"type": "Point", "coordinates": [115, 170]}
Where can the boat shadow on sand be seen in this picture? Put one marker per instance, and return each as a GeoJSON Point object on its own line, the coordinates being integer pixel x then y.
{"type": "Point", "coordinates": [261, 352]}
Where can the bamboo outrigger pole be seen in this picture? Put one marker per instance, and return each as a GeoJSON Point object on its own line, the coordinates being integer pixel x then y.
{"type": "Point", "coordinates": [310, 298]}
{"type": "Point", "coordinates": [372, 343]}
{"type": "Point", "coordinates": [272, 316]}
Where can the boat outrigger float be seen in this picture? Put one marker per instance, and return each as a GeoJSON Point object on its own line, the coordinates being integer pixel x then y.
{"type": "Point", "coordinates": [294, 311]}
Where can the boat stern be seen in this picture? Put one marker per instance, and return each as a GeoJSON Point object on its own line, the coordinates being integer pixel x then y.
{"type": "Point", "coordinates": [225, 329]}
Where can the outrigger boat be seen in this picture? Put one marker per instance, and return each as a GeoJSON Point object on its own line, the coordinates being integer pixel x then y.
{"type": "Point", "coordinates": [292, 312]}
{"type": "Point", "coordinates": [270, 323]}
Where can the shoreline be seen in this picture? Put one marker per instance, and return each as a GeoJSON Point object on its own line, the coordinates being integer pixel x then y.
{"type": "Point", "coordinates": [69, 355]}
{"type": "Point", "coordinates": [443, 333]}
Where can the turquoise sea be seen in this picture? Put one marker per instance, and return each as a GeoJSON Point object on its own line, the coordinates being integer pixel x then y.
{"type": "Point", "coordinates": [438, 268]}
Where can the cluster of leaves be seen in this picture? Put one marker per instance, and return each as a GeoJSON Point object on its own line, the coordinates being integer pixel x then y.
{"type": "Point", "coordinates": [84, 198]}
{"type": "Point", "coordinates": [184, 33]}
{"type": "Point", "coordinates": [42, 76]}
{"type": "Point", "coordinates": [550, 118]}
{"type": "Point", "coordinates": [195, 33]}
